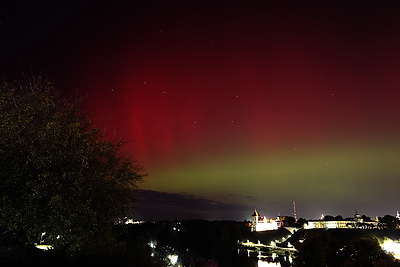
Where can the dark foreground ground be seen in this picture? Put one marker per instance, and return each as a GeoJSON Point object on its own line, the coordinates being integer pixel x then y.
{"type": "Point", "coordinates": [214, 243]}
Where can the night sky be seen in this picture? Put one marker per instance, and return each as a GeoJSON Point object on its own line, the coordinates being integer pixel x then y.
{"type": "Point", "coordinates": [231, 106]}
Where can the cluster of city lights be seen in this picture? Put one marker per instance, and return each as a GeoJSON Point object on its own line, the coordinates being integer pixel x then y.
{"type": "Point", "coordinates": [172, 259]}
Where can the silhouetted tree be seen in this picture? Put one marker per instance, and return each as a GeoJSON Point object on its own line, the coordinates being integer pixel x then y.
{"type": "Point", "coordinates": [300, 222]}
{"type": "Point", "coordinates": [365, 218]}
{"type": "Point", "coordinates": [329, 248]}
{"type": "Point", "coordinates": [58, 175]}
{"type": "Point", "coordinates": [289, 221]}
{"type": "Point", "coordinates": [338, 218]}
{"type": "Point", "coordinates": [364, 252]}
{"type": "Point", "coordinates": [389, 221]}
{"type": "Point", "coordinates": [329, 218]}
{"type": "Point", "coordinates": [316, 249]}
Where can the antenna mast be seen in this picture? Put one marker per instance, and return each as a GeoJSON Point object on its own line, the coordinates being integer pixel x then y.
{"type": "Point", "coordinates": [294, 211]}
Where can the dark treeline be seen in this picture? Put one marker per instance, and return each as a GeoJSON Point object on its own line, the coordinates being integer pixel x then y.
{"type": "Point", "coordinates": [343, 247]}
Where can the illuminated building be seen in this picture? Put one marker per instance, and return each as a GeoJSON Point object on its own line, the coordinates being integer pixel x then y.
{"type": "Point", "coordinates": [259, 223]}
{"type": "Point", "coordinates": [355, 223]}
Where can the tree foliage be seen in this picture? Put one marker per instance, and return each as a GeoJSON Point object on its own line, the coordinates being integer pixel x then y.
{"type": "Point", "coordinates": [341, 248]}
{"type": "Point", "coordinates": [329, 218]}
{"type": "Point", "coordinates": [390, 222]}
{"type": "Point", "coordinates": [301, 222]}
{"type": "Point", "coordinates": [58, 175]}
{"type": "Point", "coordinates": [288, 221]}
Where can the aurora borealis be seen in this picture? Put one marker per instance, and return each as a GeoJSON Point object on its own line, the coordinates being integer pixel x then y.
{"type": "Point", "coordinates": [247, 104]}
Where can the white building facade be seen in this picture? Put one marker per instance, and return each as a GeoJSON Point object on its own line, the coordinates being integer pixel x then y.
{"type": "Point", "coordinates": [259, 223]}
{"type": "Point", "coordinates": [356, 222]}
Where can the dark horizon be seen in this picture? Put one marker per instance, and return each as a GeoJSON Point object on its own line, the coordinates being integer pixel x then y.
{"type": "Point", "coordinates": [162, 206]}
{"type": "Point", "coordinates": [230, 106]}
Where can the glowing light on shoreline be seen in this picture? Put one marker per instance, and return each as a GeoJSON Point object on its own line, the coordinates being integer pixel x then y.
{"type": "Point", "coordinates": [392, 247]}
{"type": "Point", "coordinates": [44, 247]}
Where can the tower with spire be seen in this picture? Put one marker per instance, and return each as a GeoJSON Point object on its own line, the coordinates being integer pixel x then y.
{"type": "Point", "coordinates": [254, 220]}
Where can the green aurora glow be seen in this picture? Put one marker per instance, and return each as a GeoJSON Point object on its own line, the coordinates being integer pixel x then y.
{"type": "Point", "coordinates": [342, 173]}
